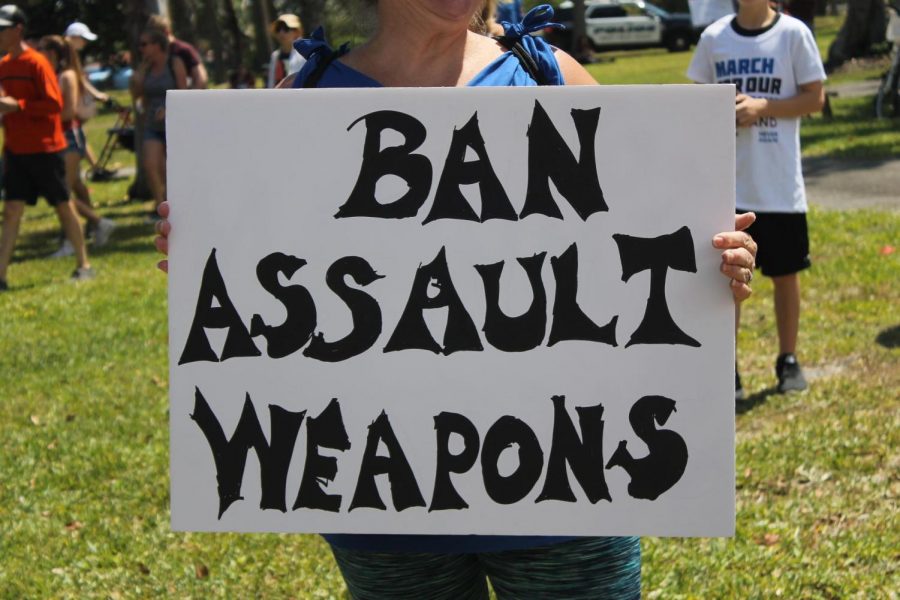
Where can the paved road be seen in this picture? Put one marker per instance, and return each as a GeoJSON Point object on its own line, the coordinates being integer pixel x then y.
{"type": "Point", "coordinates": [853, 183]}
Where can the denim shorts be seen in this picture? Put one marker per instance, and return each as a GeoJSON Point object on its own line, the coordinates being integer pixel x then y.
{"type": "Point", "coordinates": [75, 141]}
{"type": "Point", "coordinates": [155, 135]}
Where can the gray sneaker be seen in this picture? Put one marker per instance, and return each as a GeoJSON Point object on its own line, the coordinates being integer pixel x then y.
{"type": "Point", "coordinates": [83, 274]}
{"type": "Point", "coordinates": [65, 250]}
{"type": "Point", "coordinates": [103, 231]}
{"type": "Point", "coordinates": [790, 375]}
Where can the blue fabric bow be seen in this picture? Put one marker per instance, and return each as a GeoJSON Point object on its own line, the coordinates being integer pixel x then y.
{"type": "Point", "coordinates": [537, 18]}
{"type": "Point", "coordinates": [315, 45]}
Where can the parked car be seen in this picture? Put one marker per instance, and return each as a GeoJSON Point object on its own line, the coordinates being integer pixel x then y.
{"type": "Point", "coordinates": [108, 78]}
{"type": "Point", "coordinates": [623, 24]}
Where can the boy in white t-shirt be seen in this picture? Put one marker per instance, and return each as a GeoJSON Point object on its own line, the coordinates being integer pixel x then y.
{"type": "Point", "coordinates": [773, 61]}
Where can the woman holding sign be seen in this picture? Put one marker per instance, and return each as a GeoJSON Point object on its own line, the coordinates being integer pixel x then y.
{"type": "Point", "coordinates": [432, 43]}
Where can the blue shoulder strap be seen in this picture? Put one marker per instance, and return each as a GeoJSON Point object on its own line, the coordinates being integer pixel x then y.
{"type": "Point", "coordinates": [319, 56]}
{"type": "Point", "coordinates": [538, 18]}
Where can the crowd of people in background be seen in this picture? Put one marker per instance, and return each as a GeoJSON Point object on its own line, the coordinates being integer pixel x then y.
{"type": "Point", "coordinates": [63, 103]}
{"type": "Point", "coordinates": [45, 141]}
{"type": "Point", "coordinates": [35, 144]}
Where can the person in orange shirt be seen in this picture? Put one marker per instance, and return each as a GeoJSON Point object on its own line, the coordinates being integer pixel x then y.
{"type": "Point", "coordinates": [33, 142]}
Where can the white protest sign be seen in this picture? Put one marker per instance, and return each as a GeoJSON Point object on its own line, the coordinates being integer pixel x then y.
{"type": "Point", "coordinates": [468, 311]}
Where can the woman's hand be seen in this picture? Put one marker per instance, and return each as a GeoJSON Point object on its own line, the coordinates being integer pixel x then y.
{"type": "Point", "coordinates": [738, 258]}
{"type": "Point", "coordinates": [163, 228]}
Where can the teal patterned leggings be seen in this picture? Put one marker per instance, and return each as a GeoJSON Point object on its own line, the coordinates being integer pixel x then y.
{"type": "Point", "coordinates": [594, 568]}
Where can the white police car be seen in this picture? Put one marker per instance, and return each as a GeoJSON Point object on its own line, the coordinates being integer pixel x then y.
{"type": "Point", "coordinates": [623, 24]}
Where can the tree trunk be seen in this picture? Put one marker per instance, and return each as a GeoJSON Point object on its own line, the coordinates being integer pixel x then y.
{"type": "Point", "coordinates": [209, 28]}
{"type": "Point", "coordinates": [237, 36]}
{"type": "Point", "coordinates": [182, 14]}
{"type": "Point", "coordinates": [863, 28]}
{"type": "Point", "coordinates": [579, 29]}
{"type": "Point", "coordinates": [137, 13]}
{"type": "Point", "coordinates": [262, 17]}
{"type": "Point", "coordinates": [312, 13]}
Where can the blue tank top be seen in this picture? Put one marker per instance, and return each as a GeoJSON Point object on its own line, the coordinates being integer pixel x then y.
{"type": "Point", "coordinates": [506, 70]}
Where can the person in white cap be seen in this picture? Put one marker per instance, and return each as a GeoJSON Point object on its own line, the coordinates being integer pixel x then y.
{"type": "Point", "coordinates": [286, 60]}
{"type": "Point", "coordinates": [81, 31]}
{"type": "Point", "coordinates": [77, 35]}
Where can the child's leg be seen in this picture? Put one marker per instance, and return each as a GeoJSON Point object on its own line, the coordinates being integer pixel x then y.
{"type": "Point", "coordinates": [787, 311]}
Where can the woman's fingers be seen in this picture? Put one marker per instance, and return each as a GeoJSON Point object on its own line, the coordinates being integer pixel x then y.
{"type": "Point", "coordinates": [738, 256]}
{"type": "Point", "coordinates": [163, 228]}
{"type": "Point", "coordinates": [743, 221]}
{"type": "Point", "coordinates": [740, 290]}
{"type": "Point", "coordinates": [741, 274]}
{"type": "Point", "coordinates": [734, 239]}
{"type": "Point", "coordinates": [162, 244]}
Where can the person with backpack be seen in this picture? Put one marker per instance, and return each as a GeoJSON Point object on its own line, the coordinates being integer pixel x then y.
{"type": "Point", "coordinates": [197, 77]}
{"type": "Point", "coordinates": [437, 43]}
{"type": "Point", "coordinates": [158, 73]}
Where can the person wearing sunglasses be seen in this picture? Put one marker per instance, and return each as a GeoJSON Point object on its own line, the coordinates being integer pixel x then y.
{"type": "Point", "coordinates": [159, 72]}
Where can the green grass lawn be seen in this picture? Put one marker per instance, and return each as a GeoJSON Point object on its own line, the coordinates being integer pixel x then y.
{"type": "Point", "coordinates": [84, 444]}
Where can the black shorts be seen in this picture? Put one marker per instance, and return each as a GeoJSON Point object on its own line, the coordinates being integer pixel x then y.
{"type": "Point", "coordinates": [27, 176]}
{"type": "Point", "coordinates": [783, 243]}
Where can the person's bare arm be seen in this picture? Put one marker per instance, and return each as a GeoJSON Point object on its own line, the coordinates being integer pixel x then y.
{"type": "Point", "coordinates": [287, 82]}
{"type": "Point", "coordinates": [137, 80]}
{"type": "Point", "coordinates": [809, 99]}
{"type": "Point", "coordinates": [68, 87]}
{"type": "Point", "coordinates": [92, 91]}
{"type": "Point", "coordinates": [180, 73]}
{"type": "Point", "coordinates": [199, 77]}
{"type": "Point", "coordinates": [573, 72]}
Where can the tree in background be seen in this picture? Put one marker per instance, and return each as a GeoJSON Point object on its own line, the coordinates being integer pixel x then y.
{"type": "Point", "coordinates": [579, 29]}
{"type": "Point", "coordinates": [862, 32]}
